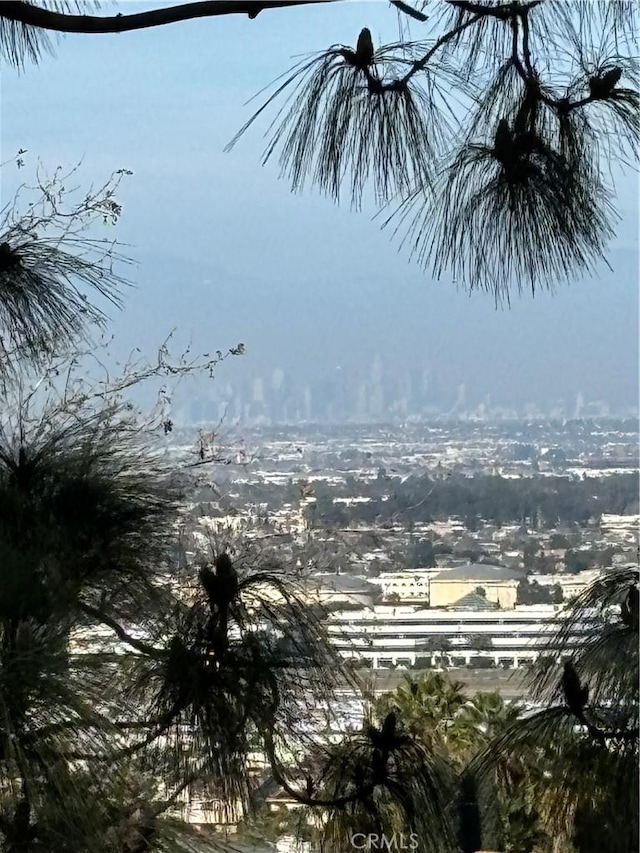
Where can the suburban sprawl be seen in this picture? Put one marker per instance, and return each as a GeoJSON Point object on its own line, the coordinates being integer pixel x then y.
{"type": "Point", "coordinates": [446, 547]}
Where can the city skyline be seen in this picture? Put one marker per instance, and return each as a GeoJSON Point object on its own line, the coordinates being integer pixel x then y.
{"type": "Point", "coordinates": [225, 253]}
{"type": "Point", "coordinates": [347, 395]}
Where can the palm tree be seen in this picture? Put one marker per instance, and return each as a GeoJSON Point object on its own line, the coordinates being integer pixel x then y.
{"type": "Point", "coordinates": [438, 646]}
{"type": "Point", "coordinates": [426, 705]}
{"type": "Point", "coordinates": [498, 810]}
{"type": "Point", "coordinates": [478, 721]}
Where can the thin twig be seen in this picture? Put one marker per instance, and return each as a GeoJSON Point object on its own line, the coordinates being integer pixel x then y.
{"type": "Point", "coordinates": [420, 64]}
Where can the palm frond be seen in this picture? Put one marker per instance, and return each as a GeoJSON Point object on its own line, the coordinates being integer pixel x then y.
{"type": "Point", "coordinates": [527, 756]}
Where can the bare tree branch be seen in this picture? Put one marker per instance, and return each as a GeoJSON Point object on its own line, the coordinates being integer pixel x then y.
{"type": "Point", "coordinates": [47, 19]}
{"type": "Point", "coordinates": [105, 619]}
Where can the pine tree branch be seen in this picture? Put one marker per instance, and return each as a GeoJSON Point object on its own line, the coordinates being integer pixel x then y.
{"type": "Point", "coordinates": [525, 70]}
{"type": "Point", "coordinates": [603, 734]}
{"type": "Point", "coordinates": [46, 19]}
{"type": "Point", "coordinates": [162, 807]}
{"type": "Point", "coordinates": [82, 725]}
{"type": "Point", "coordinates": [298, 796]}
{"type": "Point", "coordinates": [526, 48]}
{"type": "Point", "coordinates": [107, 620]}
{"type": "Point", "coordinates": [420, 64]}
{"type": "Point", "coordinates": [503, 12]}
{"type": "Point", "coordinates": [409, 10]}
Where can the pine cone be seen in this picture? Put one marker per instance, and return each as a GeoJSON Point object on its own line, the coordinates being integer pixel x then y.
{"type": "Point", "coordinates": [364, 49]}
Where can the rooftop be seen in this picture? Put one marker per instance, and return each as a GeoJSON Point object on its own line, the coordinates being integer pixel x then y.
{"type": "Point", "coordinates": [473, 601]}
{"type": "Point", "coordinates": [479, 572]}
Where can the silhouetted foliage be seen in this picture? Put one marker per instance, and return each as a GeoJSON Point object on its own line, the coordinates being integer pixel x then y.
{"type": "Point", "coordinates": [492, 133]}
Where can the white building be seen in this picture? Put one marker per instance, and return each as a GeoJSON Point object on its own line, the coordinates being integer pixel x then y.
{"type": "Point", "coordinates": [408, 585]}
{"type": "Point", "coordinates": [571, 585]}
{"type": "Point", "coordinates": [398, 636]}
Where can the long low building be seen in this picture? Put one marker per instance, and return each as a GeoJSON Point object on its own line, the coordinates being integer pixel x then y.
{"type": "Point", "coordinates": [386, 636]}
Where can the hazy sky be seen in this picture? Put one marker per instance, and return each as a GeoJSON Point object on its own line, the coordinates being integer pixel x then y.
{"type": "Point", "coordinates": [227, 254]}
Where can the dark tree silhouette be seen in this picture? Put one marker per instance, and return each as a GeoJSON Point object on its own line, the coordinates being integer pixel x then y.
{"type": "Point", "coordinates": [492, 135]}
{"type": "Point", "coordinates": [588, 731]}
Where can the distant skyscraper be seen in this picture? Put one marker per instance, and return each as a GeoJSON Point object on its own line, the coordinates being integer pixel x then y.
{"type": "Point", "coordinates": [340, 398]}
{"type": "Point", "coordinates": [376, 370]}
{"type": "Point", "coordinates": [461, 399]}
{"type": "Point", "coordinates": [426, 381]}
{"type": "Point", "coordinates": [421, 393]}
{"type": "Point", "coordinates": [362, 410]}
{"type": "Point", "coordinates": [277, 379]}
{"type": "Point", "coordinates": [277, 396]}
{"type": "Point", "coordinates": [307, 403]}
{"type": "Point", "coordinates": [376, 402]}
{"type": "Point", "coordinates": [258, 390]}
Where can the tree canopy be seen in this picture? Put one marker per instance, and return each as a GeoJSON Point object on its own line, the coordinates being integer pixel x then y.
{"type": "Point", "coordinates": [486, 134]}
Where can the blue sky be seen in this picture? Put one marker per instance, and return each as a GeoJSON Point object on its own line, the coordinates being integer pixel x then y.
{"type": "Point", "coordinates": [227, 254]}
